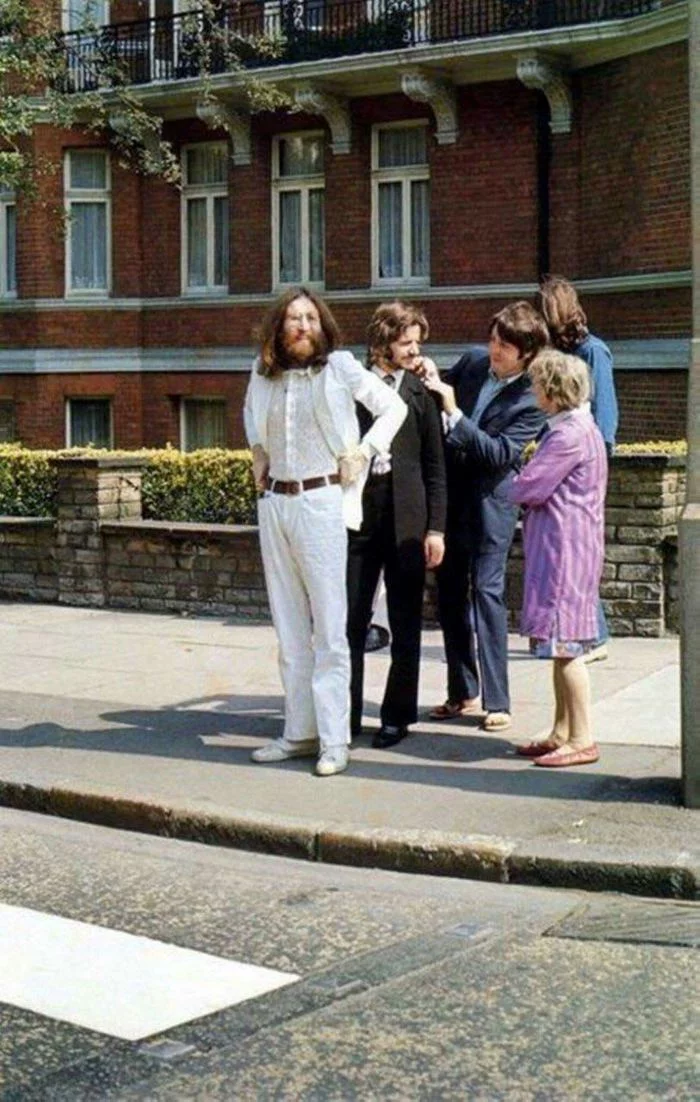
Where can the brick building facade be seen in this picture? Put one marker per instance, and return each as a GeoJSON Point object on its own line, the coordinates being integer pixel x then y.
{"type": "Point", "coordinates": [451, 167]}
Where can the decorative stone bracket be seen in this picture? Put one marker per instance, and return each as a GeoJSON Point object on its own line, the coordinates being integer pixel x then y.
{"type": "Point", "coordinates": [235, 123]}
{"type": "Point", "coordinates": [548, 76]}
{"type": "Point", "coordinates": [150, 139]}
{"type": "Point", "coordinates": [441, 97]}
{"type": "Point", "coordinates": [333, 109]}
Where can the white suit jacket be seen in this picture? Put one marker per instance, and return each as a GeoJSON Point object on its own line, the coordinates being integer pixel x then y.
{"type": "Point", "coordinates": [335, 389]}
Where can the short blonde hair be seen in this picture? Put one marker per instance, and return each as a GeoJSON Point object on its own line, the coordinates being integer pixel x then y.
{"type": "Point", "coordinates": [565, 380]}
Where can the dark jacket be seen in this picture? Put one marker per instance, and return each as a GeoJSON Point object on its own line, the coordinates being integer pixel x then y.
{"type": "Point", "coordinates": [482, 459]}
{"type": "Point", "coordinates": [417, 463]}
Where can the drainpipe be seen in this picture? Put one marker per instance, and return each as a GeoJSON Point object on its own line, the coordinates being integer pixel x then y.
{"type": "Point", "coordinates": [544, 161]}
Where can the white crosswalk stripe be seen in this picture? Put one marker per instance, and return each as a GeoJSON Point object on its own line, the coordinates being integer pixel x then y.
{"type": "Point", "coordinates": [113, 982]}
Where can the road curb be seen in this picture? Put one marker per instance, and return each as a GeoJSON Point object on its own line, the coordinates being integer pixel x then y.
{"type": "Point", "coordinates": [658, 873]}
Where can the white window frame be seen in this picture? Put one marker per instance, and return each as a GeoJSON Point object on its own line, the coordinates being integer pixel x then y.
{"type": "Point", "coordinates": [209, 192]}
{"type": "Point", "coordinates": [7, 200]}
{"type": "Point", "coordinates": [66, 7]}
{"type": "Point", "coordinates": [304, 185]}
{"type": "Point", "coordinates": [406, 175]}
{"type": "Point", "coordinates": [75, 196]}
{"type": "Point", "coordinates": [215, 398]}
{"type": "Point", "coordinates": [89, 398]}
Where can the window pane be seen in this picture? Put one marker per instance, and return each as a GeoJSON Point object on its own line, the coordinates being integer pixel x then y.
{"type": "Point", "coordinates": [88, 169]}
{"type": "Point", "coordinates": [81, 12]}
{"type": "Point", "coordinates": [390, 251]}
{"type": "Point", "coordinates": [405, 145]}
{"type": "Point", "coordinates": [7, 423]}
{"type": "Point", "coordinates": [221, 241]}
{"type": "Point", "coordinates": [301, 156]}
{"type": "Point", "coordinates": [90, 422]}
{"type": "Point", "coordinates": [196, 242]}
{"type": "Point", "coordinates": [290, 237]}
{"type": "Point", "coordinates": [316, 235]}
{"type": "Point", "coordinates": [207, 164]}
{"type": "Point", "coordinates": [88, 260]}
{"type": "Point", "coordinates": [11, 246]}
{"type": "Point", "coordinates": [420, 228]}
{"type": "Point", "coordinates": [205, 424]}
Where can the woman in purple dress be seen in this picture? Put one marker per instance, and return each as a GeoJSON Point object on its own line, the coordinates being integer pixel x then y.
{"type": "Point", "coordinates": [562, 490]}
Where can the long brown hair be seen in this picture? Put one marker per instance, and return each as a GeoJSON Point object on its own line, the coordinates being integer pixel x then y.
{"type": "Point", "coordinates": [561, 309]}
{"type": "Point", "coordinates": [388, 322]}
{"type": "Point", "coordinates": [273, 357]}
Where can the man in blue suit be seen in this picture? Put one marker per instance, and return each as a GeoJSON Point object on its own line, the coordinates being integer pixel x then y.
{"type": "Point", "coordinates": [490, 414]}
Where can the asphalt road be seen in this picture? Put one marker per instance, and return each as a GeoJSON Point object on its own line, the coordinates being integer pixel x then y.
{"type": "Point", "coordinates": [402, 987]}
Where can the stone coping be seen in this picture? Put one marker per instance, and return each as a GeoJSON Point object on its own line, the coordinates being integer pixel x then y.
{"type": "Point", "coordinates": [176, 528]}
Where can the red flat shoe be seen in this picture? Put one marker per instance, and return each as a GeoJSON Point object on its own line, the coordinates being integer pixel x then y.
{"type": "Point", "coordinates": [562, 757]}
{"type": "Point", "coordinates": [537, 749]}
{"type": "Point", "coordinates": [453, 709]}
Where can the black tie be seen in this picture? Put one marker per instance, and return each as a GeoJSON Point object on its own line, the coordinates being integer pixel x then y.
{"type": "Point", "coordinates": [390, 380]}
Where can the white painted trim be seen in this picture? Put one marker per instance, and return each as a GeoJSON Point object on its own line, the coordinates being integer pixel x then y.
{"type": "Point", "coordinates": [304, 185]}
{"type": "Point", "coordinates": [655, 354]}
{"type": "Point", "coordinates": [86, 195]}
{"type": "Point", "coordinates": [7, 200]}
{"type": "Point", "coordinates": [89, 398]}
{"type": "Point", "coordinates": [405, 175]}
{"type": "Point", "coordinates": [208, 192]}
{"type": "Point", "coordinates": [647, 281]}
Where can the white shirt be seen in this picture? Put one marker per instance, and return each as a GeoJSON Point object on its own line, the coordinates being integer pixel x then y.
{"type": "Point", "coordinates": [381, 463]}
{"type": "Point", "coordinates": [298, 447]}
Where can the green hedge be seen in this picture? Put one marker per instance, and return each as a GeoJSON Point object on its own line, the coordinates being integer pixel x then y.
{"type": "Point", "coordinates": [212, 486]}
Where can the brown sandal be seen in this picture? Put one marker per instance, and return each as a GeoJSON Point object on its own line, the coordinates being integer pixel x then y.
{"type": "Point", "coordinates": [453, 709]}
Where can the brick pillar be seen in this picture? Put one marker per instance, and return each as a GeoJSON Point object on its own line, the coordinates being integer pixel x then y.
{"type": "Point", "coordinates": [91, 490]}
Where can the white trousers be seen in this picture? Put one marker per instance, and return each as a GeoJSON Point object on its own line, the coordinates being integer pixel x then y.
{"type": "Point", "coordinates": [304, 551]}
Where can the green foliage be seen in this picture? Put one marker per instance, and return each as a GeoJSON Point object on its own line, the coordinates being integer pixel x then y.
{"type": "Point", "coordinates": [27, 482]}
{"type": "Point", "coordinates": [653, 447]}
{"type": "Point", "coordinates": [212, 486]}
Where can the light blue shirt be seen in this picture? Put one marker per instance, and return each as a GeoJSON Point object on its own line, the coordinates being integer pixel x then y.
{"type": "Point", "coordinates": [491, 386]}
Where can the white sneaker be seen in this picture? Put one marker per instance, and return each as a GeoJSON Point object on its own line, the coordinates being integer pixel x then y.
{"type": "Point", "coordinates": [279, 750]}
{"type": "Point", "coordinates": [333, 760]}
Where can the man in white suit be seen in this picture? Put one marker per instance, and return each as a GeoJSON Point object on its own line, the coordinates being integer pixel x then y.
{"type": "Point", "coordinates": [310, 466]}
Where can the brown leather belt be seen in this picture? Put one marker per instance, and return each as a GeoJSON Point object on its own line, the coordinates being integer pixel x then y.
{"type": "Point", "coordinates": [278, 486]}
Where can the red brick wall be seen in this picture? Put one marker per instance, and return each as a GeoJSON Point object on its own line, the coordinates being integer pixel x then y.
{"type": "Point", "coordinates": [652, 405]}
{"type": "Point", "coordinates": [634, 201]}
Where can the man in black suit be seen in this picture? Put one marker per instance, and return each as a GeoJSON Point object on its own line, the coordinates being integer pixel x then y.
{"type": "Point", "coordinates": [403, 507]}
{"type": "Point", "coordinates": [490, 415]}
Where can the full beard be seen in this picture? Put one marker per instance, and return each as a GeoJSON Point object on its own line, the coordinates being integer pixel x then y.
{"type": "Point", "coordinates": [305, 350]}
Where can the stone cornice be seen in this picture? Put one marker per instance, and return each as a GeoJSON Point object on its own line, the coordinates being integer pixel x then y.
{"type": "Point", "coordinates": [657, 354]}
{"type": "Point", "coordinates": [644, 281]}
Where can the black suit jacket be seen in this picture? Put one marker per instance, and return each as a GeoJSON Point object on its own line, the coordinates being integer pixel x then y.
{"type": "Point", "coordinates": [417, 464]}
{"type": "Point", "coordinates": [482, 459]}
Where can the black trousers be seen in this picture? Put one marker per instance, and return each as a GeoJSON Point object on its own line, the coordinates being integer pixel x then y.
{"type": "Point", "coordinates": [372, 548]}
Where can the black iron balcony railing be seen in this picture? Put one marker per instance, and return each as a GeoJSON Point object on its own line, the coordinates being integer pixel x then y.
{"type": "Point", "coordinates": [259, 33]}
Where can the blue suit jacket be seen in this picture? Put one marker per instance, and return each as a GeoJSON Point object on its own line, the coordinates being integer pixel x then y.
{"type": "Point", "coordinates": [482, 459]}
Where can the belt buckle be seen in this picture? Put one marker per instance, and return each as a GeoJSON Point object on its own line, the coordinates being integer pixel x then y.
{"type": "Point", "coordinates": [294, 488]}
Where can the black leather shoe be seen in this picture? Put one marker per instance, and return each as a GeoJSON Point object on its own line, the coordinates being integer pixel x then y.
{"type": "Point", "coordinates": [388, 736]}
{"type": "Point", "coordinates": [376, 639]}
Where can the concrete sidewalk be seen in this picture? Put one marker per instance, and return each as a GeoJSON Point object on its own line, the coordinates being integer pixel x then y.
{"type": "Point", "coordinates": [147, 722]}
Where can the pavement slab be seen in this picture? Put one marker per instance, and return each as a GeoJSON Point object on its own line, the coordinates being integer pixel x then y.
{"type": "Point", "coordinates": [147, 721]}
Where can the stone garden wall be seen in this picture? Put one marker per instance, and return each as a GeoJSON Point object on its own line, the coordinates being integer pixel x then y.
{"type": "Point", "coordinates": [100, 553]}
